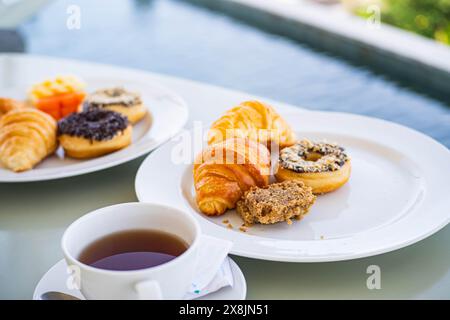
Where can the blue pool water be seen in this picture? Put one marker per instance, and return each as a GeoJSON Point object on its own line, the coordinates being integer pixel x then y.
{"type": "Point", "coordinates": [177, 38]}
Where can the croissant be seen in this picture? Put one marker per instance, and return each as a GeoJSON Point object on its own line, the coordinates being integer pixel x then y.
{"type": "Point", "coordinates": [27, 136]}
{"type": "Point", "coordinates": [224, 171]}
{"type": "Point", "coordinates": [254, 120]}
{"type": "Point", "coordinates": [7, 105]}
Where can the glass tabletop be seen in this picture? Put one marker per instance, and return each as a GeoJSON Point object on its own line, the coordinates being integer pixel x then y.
{"type": "Point", "coordinates": [181, 39]}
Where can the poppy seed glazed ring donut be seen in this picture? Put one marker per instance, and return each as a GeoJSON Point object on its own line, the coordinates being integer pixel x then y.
{"type": "Point", "coordinates": [323, 166]}
{"type": "Point", "coordinates": [94, 133]}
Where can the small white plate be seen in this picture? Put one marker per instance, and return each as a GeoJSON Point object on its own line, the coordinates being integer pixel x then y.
{"type": "Point", "coordinates": [398, 194]}
{"type": "Point", "coordinates": [167, 114]}
{"type": "Point", "coordinates": [55, 280]}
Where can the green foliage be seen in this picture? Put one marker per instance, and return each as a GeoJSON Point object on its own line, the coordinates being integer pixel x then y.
{"type": "Point", "coordinates": [430, 18]}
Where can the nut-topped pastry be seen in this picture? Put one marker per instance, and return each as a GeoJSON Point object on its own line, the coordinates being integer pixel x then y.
{"type": "Point", "coordinates": [93, 133]}
{"type": "Point", "coordinates": [321, 165]}
{"type": "Point", "coordinates": [275, 203]}
{"type": "Point", "coordinates": [119, 100]}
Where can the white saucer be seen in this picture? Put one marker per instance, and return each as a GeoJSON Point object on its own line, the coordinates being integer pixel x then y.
{"type": "Point", "coordinates": [55, 280]}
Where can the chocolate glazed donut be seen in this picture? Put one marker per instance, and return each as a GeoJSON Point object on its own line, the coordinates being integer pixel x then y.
{"type": "Point", "coordinates": [93, 133]}
{"type": "Point", "coordinates": [323, 166]}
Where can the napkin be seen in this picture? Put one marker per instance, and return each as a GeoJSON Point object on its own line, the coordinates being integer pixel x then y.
{"type": "Point", "coordinates": [214, 270]}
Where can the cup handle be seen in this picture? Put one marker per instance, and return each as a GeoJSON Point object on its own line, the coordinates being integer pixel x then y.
{"type": "Point", "coordinates": [149, 290]}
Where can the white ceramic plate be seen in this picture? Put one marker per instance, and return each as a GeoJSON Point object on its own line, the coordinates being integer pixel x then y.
{"type": "Point", "coordinates": [396, 196]}
{"type": "Point", "coordinates": [168, 113]}
{"type": "Point", "coordinates": [55, 279]}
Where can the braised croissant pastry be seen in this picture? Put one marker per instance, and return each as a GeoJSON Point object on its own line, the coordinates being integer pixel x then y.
{"type": "Point", "coordinates": [254, 120]}
{"type": "Point", "coordinates": [224, 171]}
{"type": "Point", "coordinates": [27, 136]}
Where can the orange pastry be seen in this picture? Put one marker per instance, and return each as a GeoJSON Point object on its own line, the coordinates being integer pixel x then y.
{"type": "Point", "coordinates": [58, 97]}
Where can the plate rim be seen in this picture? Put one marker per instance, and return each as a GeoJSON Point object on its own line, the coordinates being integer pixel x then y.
{"type": "Point", "coordinates": [272, 256]}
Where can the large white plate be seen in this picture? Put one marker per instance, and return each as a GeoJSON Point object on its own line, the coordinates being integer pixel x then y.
{"type": "Point", "coordinates": [167, 114]}
{"type": "Point", "coordinates": [398, 194]}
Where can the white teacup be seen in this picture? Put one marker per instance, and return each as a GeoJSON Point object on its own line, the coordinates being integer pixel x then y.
{"type": "Point", "coordinates": [169, 280]}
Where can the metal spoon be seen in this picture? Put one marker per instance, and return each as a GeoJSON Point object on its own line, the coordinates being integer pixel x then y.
{"type": "Point", "coordinates": [53, 295]}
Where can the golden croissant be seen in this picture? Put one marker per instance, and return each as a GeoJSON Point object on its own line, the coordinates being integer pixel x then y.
{"type": "Point", "coordinates": [224, 171]}
{"type": "Point", "coordinates": [7, 105]}
{"type": "Point", "coordinates": [254, 120]}
{"type": "Point", "coordinates": [27, 136]}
